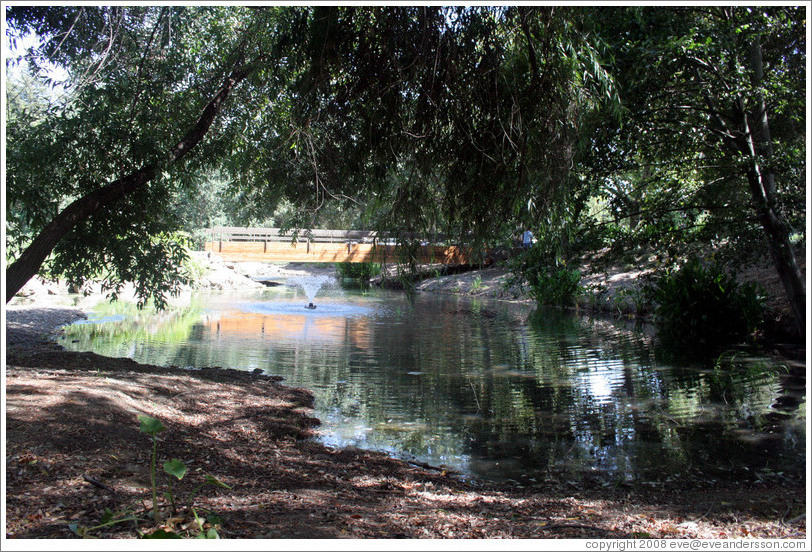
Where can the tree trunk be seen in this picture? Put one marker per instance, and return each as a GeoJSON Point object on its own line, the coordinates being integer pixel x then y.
{"type": "Point", "coordinates": [762, 188]}
{"type": "Point", "coordinates": [30, 261]}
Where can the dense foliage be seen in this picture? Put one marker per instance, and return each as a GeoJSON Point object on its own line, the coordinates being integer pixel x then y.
{"type": "Point", "coordinates": [709, 156]}
{"type": "Point", "coordinates": [699, 304]}
{"type": "Point", "coordinates": [673, 173]}
{"type": "Point", "coordinates": [407, 117]}
{"type": "Point", "coordinates": [358, 271]}
{"type": "Point", "coordinates": [678, 128]}
{"type": "Point", "coordinates": [549, 280]}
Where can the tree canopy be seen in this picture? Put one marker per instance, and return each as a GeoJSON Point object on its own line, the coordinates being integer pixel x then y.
{"type": "Point", "coordinates": [712, 146]}
{"type": "Point", "coordinates": [411, 114]}
{"type": "Point", "coordinates": [663, 125]}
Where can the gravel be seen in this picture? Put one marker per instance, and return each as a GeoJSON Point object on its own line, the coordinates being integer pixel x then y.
{"type": "Point", "coordinates": [32, 327]}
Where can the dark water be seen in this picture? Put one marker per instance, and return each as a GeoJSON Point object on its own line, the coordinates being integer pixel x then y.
{"type": "Point", "coordinates": [496, 390]}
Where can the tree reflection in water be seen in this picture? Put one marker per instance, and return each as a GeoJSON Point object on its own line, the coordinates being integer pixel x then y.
{"type": "Point", "coordinates": [493, 389]}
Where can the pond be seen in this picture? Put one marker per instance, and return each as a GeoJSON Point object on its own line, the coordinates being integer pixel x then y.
{"type": "Point", "coordinates": [498, 391]}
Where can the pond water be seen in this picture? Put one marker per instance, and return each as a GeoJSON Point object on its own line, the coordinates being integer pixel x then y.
{"type": "Point", "coordinates": [495, 390]}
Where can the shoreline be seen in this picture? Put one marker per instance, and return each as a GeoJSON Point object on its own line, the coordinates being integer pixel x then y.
{"type": "Point", "coordinates": [251, 432]}
{"type": "Point", "coordinates": [609, 291]}
{"type": "Point", "coordinates": [71, 420]}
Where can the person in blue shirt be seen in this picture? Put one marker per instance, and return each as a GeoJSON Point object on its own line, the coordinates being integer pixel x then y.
{"type": "Point", "coordinates": [527, 239]}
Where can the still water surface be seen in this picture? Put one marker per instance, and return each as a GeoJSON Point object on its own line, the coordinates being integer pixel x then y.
{"type": "Point", "coordinates": [496, 390]}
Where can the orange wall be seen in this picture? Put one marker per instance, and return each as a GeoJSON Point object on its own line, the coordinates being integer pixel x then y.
{"type": "Point", "coordinates": [327, 252]}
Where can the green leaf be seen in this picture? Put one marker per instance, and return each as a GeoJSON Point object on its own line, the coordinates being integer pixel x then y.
{"type": "Point", "coordinates": [161, 534]}
{"type": "Point", "coordinates": [214, 519]}
{"type": "Point", "coordinates": [78, 530]}
{"type": "Point", "coordinates": [150, 425]}
{"type": "Point", "coordinates": [175, 467]}
{"type": "Point", "coordinates": [211, 480]}
{"type": "Point", "coordinates": [210, 534]}
{"type": "Point", "coordinates": [107, 516]}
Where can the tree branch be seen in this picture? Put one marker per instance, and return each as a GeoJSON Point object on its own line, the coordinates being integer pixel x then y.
{"type": "Point", "coordinates": [67, 34]}
{"type": "Point", "coordinates": [30, 261]}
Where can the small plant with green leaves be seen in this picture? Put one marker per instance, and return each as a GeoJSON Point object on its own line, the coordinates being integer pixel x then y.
{"type": "Point", "coordinates": [623, 302]}
{"type": "Point", "coordinates": [189, 525]}
{"type": "Point", "coordinates": [152, 427]}
{"type": "Point", "coordinates": [177, 469]}
{"type": "Point", "coordinates": [596, 296]}
{"type": "Point", "coordinates": [476, 284]}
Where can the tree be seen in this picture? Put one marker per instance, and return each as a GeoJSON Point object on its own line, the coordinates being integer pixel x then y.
{"type": "Point", "coordinates": [713, 100]}
{"type": "Point", "coordinates": [140, 77]}
{"type": "Point", "coordinates": [456, 117]}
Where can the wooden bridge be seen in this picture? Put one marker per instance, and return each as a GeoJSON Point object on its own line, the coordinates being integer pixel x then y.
{"type": "Point", "coordinates": [271, 245]}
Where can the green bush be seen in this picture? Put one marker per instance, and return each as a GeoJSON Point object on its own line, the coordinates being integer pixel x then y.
{"type": "Point", "coordinates": [194, 269]}
{"type": "Point", "coordinates": [527, 262]}
{"type": "Point", "coordinates": [597, 235]}
{"type": "Point", "coordinates": [551, 283]}
{"type": "Point", "coordinates": [555, 286]}
{"type": "Point", "coordinates": [703, 304]}
{"type": "Point", "coordinates": [358, 271]}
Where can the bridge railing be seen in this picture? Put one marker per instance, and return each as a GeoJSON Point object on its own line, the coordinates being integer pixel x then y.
{"type": "Point", "coordinates": [246, 234]}
{"type": "Point", "coordinates": [241, 244]}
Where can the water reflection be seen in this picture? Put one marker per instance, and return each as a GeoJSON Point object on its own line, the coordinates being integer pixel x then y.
{"type": "Point", "coordinates": [492, 389]}
{"type": "Point", "coordinates": [239, 325]}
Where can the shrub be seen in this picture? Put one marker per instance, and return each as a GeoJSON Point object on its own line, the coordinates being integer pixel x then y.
{"type": "Point", "coordinates": [555, 286]}
{"type": "Point", "coordinates": [358, 271]}
{"type": "Point", "coordinates": [551, 283]}
{"type": "Point", "coordinates": [704, 304]}
{"type": "Point", "coordinates": [194, 269]}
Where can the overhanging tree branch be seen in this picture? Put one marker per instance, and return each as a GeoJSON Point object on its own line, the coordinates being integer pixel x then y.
{"type": "Point", "coordinates": [30, 261]}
